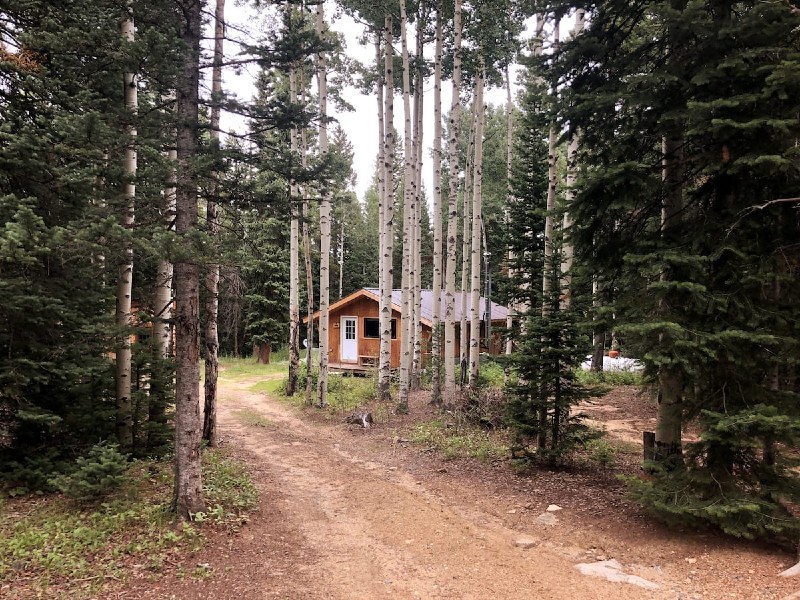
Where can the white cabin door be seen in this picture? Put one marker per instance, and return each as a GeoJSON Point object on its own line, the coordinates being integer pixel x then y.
{"type": "Point", "coordinates": [349, 329]}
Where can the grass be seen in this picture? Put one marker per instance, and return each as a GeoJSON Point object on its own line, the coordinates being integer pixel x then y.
{"type": "Point", "coordinates": [609, 378]}
{"type": "Point", "coordinates": [54, 547]}
{"type": "Point", "coordinates": [246, 368]}
{"type": "Point", "coordinates": [252, 418]}
{"type": "Point", "coordinates": [459, 442]}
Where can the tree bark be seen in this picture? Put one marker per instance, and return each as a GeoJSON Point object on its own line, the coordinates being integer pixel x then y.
{"type": "Point", "coordinates": [669, 418]}
{"type": "Point", "coordinates": [294, 238]}
{"type": "Point", "coordinates": [212, 220]}
{"type": "Point", "coordinates": [324, 220]}
{"type": "Point", "coordinates": [466, 238]}
{"type": "Point", "coordinates": [436, 331]}
{"type": "Point", "coordinates": [125, 267]}
{"type": "Point", "coordinates": [416, 362]}
{"type": "Point", "coordinates": [188, 496]}
{"type": "Point", "coordinates": [475, 250]}
{"type": "Point", "coordinates": [452, 212]}
{"type": "Point", "coordinates": [406, 317]}
{"type": "Point", "coordinates": [381, 171]}
{"type": "Point", "coordinates": [599, 336]}
{"type": "Point", "coordinates": [512, 308]}
{"type": "Point", "coordinates": [385, 366]}
{"type": "Point", "coordinates": [307, 258]}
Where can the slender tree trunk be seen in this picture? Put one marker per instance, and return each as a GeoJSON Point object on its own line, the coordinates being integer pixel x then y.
{"type": "Point", "coordinates": [212, 215]}
{"type": "Point", "coordinates": [188, 497]}
{"type": "Point", "coordinates": [512, 308]}
{"type": "Point", "coordinates": [407, 331]}
{"type": "Point", "coordinates": [466, 230]}
{"type": "Point", "coordinates": [567, 248]}
{"type": "Point", "coordinates": [599, 336]}
{"type": "Point", "coordinates": [294, 271]}
{"type": "Point", "coordinates": [552, 180]}
{"type": "Point", "coordinates": [416, 363]}
{"type": "Point", "coordinates": [307, 257]}
{"type": "Point", "coordinates": [477, 218]}
{"type": "Point", "coordinates": [324, 220]}
{"type": "Point", "coordinates": [125, 267]}
{"type": "Point", "coordinates": [669, 418]}
{"type": "Point", "coordinates": [381, 170]}
{"type": "Point", "coordinates": [436, 331]}
{"type": "Point", "coordinates": [452, 212]}
{"type": "Point", "coordinates": [157, 436]}
{"type": "Point", "coordinates": [294, 238]}
{"type": "Point", "coordinates": [385, 366]}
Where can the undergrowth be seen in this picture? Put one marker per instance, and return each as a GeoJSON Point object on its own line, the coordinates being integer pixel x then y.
{"type": "Point", "coordinates": [460, 441]}
{"type": "Point", "coordinates": [54, 546]}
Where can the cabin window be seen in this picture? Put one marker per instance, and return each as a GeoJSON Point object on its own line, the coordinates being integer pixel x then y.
{"type": "Point", "coordinates": [372, 328]}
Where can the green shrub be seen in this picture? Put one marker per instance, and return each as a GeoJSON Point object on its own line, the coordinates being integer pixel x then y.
{"type": "Point", "coordinates": [609, 378]}
{"type": "Point", "coordinates": [96, 475]}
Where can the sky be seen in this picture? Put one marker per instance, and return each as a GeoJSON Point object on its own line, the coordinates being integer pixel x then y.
{"type": "Point", "coordinates": [360, 125]}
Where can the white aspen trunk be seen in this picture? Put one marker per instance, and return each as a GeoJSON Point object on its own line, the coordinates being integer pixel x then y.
{"type": "Point", "coordinates": [381, 171]}
{"type": "Point", "coordinates": [294, 247]}
{"type": "Point", "coordinates": [552, 179]}
{"type": "Point", "coordinates": [340, 254]}
{"type": "Point", "coordinates": [188, 497]}
{"type": "Point", "coordinates": [125, 267]}
{"type": "Point", "coordinates": [452, 212]}
{"type": "Point", "coordinates": [669, 418]}
{"type": "Point", "coordinates": [407, 331]}
{"type": "Point", "coordinates": [512, 308]}
{"type": "Point", "coordinates": [416, 363]}
{"type": "Point", "coordinates": [162, 297]}
{"type": "Point", "coordinates": [599, 336]}
{"type": "Point", "coordinates": [436, 333]}
{"type": "Point", "coordinates": [212, 220]}
{"type": "Point", "coordinates": [466, 231]}
{"type": "Point", "coordinates": [385, 365]}
{"type": "Point", "coordinates": [324, 220]}
{"type": "Point", "coordinates": [477, 217]}
{"type": "Point", "coordinates": [567, 248]}
{"type": "Point", "coordinates": [307, 256]}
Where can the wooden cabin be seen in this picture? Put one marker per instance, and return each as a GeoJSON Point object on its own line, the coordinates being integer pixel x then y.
{"type": "Point", "coordinates": [354, 329]}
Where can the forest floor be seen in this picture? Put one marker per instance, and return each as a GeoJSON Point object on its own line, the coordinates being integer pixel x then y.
{"type": "Point", "coordinates": [347, 512]}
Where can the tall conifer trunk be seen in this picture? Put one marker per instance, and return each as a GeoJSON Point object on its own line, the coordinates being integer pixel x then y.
{"type": "Point", "coordinates": [452, 211]}
{"type": "Point", "coordinates": [125, 266]}
{"type": "Point", "coordinates": [188, 497]}
{"type": "Point", "coordinates": [324, 221]}
{"type": "Point", "coordinates": [436, 332]}
{"type": "Point", "coordinates": [475, 250]}
{"type": "Point", "coordinates": [212, 220]}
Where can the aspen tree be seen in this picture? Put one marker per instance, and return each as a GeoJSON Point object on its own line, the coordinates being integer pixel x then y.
{"type": "Point", "coordinates": [436, 333]}
{"type": "Point", "coordinates": [307, 253]}
{"type": "Point", "coordinates": [385, 367]}
{"type": "Point", "coordinates": [512, 309]}
{"type": "Point", "coordinates": [294, 237]}
{"type": "Point", "coordinates": [552, 180]}
{"type": "Point", "coordinates": [416, 364]}
{"type": "Point", "coordinates": [324, 220]}
{"type": "Point", "coordinates": [125, 267]}
{"type": "Point", "coordinates": [407, 330]}
{"type": "Point", "coordinates": [475, 279]}
{"type": "Point", "coordinates": [466, 241]}
{"type": "Point", "coordinates": [212, 227]}
{"type": "Point", "coordinates": [381, 171]}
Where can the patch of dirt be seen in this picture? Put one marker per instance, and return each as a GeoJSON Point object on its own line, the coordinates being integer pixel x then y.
{"type": "Point", "coordinates": [352, 513]}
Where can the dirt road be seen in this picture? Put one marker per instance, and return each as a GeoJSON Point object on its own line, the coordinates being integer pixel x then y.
{"type": "Point", "coordinates": [346, 515]}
